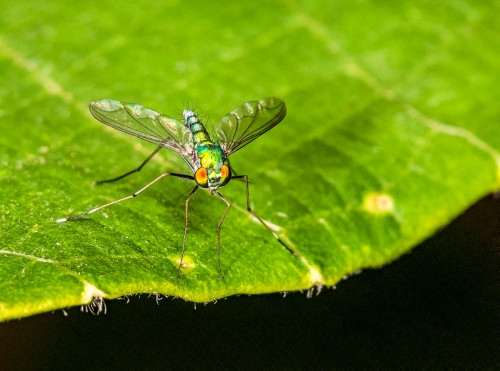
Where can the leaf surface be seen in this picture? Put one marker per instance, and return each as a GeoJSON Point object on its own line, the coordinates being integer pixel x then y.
{"type": "Point", "coordinates": [391, 131]}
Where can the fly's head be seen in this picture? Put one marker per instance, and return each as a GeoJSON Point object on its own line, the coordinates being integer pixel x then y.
{"type": "Point", "coordinates": [213, 178]}
{"type": "Point", "coordinates": [213, 171]}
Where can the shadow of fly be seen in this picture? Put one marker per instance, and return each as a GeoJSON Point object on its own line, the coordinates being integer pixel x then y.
{"type": "Point", "coordinates": [207, 159]}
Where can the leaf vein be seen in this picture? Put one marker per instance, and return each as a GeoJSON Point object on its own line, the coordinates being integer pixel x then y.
{"type": "Point", "coordinates": [89, 290]}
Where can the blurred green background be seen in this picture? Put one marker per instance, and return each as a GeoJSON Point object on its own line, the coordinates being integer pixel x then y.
{"type": "Point", "coordinates": [398, 99]}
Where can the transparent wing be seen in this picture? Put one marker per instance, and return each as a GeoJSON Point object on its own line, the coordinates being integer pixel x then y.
{"type": "Point", "coordinates": [249, 121]}
{"type": "Point", "coordinates": [143, 123]}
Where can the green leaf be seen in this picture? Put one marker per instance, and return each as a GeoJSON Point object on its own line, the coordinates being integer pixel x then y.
{"type": "Point", "coordinates": [391, 132]}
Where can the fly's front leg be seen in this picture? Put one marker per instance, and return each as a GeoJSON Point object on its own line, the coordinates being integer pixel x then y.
{"type": "Point", "coordinates": [132, 171]}
{"type": "Point", "coordinates": [257, 217]}
{"type": "Point", "coordinates": [185, 230]}
{"type": "Point", "coordinates": [218, 229]}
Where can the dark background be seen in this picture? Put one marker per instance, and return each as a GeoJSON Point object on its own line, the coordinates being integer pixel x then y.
{"type": "Point", "coordinates": [436, 307]}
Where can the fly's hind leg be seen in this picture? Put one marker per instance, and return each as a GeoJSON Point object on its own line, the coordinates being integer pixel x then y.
{"type": "Point", "coordinates": [258, 218]}
{"type": "Point", "coordinates": [125, 198]}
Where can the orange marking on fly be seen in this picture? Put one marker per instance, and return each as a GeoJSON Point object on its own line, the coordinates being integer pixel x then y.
{"type": "Point", "coordinates": [224, 171]}
{"type": "Point", "coordinates": [201, 177]}
{"type": "Point", "coordinates": [378, 203]}
{"type": "Point", "coordinates": [225, 174]}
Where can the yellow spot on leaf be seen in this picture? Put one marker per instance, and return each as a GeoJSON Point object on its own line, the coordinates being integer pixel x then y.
{"type": "Point", "coordinates": [378, 203]}
{"type": "Point", "coordinates": [187, 263]}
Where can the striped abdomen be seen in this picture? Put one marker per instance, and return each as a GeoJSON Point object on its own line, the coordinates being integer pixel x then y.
{"type": "Point", "coordinates": [200, 134]}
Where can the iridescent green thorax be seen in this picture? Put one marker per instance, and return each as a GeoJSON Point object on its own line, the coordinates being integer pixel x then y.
{"type": "Point", "coordinates": [210, 155]}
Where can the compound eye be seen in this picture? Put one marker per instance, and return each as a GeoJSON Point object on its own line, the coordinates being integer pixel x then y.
{"type": "Point", "coordinates": [201, 177]}
{"type": "Point", "coordinates": [225, 175]}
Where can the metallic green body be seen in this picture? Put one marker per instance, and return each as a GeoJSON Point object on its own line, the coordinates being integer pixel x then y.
{"type": "Point", "coordinates": [208, 154]}
{"type": "Point", "coordinates": [208, 160]}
